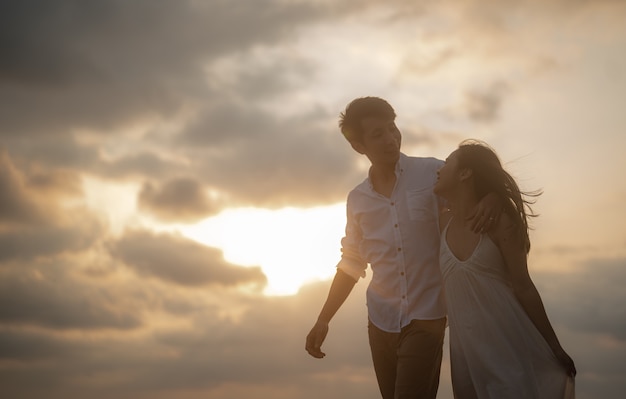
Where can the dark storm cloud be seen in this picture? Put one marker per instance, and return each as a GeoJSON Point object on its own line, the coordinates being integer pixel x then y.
{"type": "Point", "coordinates": [180, 199]}
{"type": "Point", "coordinates": [99, 64]}
{"type": "Point", "coordinates": [181, 261]}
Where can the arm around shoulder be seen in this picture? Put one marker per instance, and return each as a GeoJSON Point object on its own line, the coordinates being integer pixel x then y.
{"type": "Point", "coordinates": [487, 213]}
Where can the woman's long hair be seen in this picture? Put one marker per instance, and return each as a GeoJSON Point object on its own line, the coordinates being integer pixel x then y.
{"type": "Point", "coordinates": [490, 177]}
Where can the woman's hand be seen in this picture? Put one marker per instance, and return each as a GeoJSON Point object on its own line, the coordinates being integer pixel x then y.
{"type": "Point", "coordinates": [566, 361]}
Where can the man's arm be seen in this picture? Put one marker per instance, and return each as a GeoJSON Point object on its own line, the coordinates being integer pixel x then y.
{"type": "Point", "coordinates": [339, 290]}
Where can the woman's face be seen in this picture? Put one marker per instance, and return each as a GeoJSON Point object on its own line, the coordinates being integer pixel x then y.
{"type": "Point", "coordinates": [448, 176]}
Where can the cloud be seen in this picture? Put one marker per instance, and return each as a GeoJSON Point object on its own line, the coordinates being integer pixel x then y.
{"type": "Point", "coordinates": [212, 105]}
{"type": "Point", "coordinates": [90, 72]}
{"type": "Point", "coordinates": [55, 183]}
{"type": "Point", "coordinates": [112, 62]}
{"type": "Point", "coordinates": [261, 347]}
{"type": "Point", "coordinates": [181, 199]}
{"type": "Point", "coordinates": [34, 223]}
{"type": "Point", "coordinates": [256, 158]}
{"type": "Point", "coordinates": [31, 242]}
{"type": "Point", "coordinates": [39, 296]}
{"type": "Point", "coordinates": [589, 297]}
{"type": "Point", "coordinates": [28, 346]}
{"type": "Point", "coordinates": [177, 260]}
{"type": "Point", "coordinates": [16, 205]}
{"type": "Point", "coordinates": [136, 165]}
{"type": "Point", "coordinates": [484, 105]}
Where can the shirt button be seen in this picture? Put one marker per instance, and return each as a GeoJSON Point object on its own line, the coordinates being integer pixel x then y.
{"type": "Point", "coordinates": [403, 296]}
{"type": "Point", "coordinates": [399, 249]}
{"type": "Point", "coordinates": [393, 203]}
{"type": "Point", "coordinates": [402, 273]}
{"type": "Point", "coordinates": [395, 225]}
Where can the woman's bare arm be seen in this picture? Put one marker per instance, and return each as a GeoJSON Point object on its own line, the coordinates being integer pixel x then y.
{"type": "Point", "coordinates": [506, 236]}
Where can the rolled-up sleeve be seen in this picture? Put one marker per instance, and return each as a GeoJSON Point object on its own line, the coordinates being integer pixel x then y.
{"type": "Point", "coordinates": [351, 261]}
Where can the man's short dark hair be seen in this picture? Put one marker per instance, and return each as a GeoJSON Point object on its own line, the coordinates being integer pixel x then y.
{"type": "Point", "coordinates": [357, 110]}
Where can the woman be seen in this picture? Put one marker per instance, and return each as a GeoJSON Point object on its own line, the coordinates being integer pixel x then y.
{"type": "Point", "coordinates": [502, 344]}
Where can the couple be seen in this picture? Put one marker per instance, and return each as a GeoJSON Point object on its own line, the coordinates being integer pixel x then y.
{"type": "Point", "coordinates": [502, 344]}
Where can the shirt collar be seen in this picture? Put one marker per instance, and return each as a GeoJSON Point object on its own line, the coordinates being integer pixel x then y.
{"type": "Point", "coordinates": [399, 169]}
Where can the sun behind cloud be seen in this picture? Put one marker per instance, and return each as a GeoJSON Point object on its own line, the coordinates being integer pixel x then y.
{"type": "Point", "coordinates": [292, 246]}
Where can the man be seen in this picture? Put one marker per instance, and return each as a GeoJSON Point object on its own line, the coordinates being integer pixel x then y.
{"type": "Point", "coordinates": [392, 225]}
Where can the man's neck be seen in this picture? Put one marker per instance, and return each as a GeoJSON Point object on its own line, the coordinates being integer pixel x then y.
{"type": "Point", "coordinates": [383, 178]}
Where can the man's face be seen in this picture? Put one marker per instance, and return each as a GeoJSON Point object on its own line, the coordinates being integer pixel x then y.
{"type": "Point", "coordinates": [381, 140]}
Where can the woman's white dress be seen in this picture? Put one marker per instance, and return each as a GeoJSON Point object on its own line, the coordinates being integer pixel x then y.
{"type": "Point", "coordinates": [496, 352]}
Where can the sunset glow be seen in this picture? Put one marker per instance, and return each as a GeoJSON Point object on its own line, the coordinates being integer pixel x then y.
{"type": "Point", "coordinates": [173, 181]}
{"type": "Point", "coordinates": [292, 246]}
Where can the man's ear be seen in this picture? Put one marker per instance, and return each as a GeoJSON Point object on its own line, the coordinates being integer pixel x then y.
{"type": "Point", "coordinates": [465, 174]}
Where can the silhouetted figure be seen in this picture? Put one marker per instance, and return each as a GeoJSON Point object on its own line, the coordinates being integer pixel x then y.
{"type": "Point", "coordinates": [392, 225]}
{"type": "Point", "coordinates": [502, 345]}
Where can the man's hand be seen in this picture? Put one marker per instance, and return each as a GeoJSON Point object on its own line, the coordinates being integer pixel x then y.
{"type": "Point", "coordinates": [315, 339]}
{"type": "Point", "coordinates": [486, 213]}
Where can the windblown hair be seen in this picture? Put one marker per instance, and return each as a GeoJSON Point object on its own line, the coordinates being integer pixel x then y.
{"type": "Point", "coordinates": [357, 110]}
{"type": "Point", "coordinates": [490, 177]}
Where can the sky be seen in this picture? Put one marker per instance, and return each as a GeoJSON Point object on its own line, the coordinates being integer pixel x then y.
{"type": "Point", "coordinates": [173, 181]}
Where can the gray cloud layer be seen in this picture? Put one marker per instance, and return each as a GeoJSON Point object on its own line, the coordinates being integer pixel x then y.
{"type": "Point", "coordinates": [180, 261]}
{"type": "Point", "coordinates": [98, 66]}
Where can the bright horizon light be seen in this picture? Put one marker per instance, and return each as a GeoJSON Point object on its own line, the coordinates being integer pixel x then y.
{"type": "Point", "coordinates": [293, 246]}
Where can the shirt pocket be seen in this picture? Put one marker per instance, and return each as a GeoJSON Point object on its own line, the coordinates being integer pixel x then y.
{"type": "Point", "coordinates": [421, 204]}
